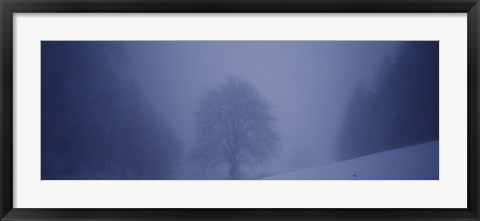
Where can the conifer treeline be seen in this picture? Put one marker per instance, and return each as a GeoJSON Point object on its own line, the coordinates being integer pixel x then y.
{"type": "Point", "coordinates": [400, 109]}
{"type": "Point", "coordinates": [94, 124]}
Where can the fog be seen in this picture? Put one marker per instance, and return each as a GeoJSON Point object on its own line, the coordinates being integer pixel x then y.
{"type": "Point", "coordinates": [307, 84]}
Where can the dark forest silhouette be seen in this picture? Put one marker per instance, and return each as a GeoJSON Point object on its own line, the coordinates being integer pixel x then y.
{"type": "Point", "coordinates": [99, 127]}
{"type": "Point", "coordinates": [401, 109]}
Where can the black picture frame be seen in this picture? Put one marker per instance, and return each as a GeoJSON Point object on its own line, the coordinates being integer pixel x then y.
{"type": "Point", "coordinates": [9, 7]}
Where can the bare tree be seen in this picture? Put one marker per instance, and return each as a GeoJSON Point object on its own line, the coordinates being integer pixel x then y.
{"type": "Point", "coordinates": [234, 128]}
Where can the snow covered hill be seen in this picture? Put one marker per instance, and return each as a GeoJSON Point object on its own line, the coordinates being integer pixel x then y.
{"type": "Point", "coordinates": [419, 162]}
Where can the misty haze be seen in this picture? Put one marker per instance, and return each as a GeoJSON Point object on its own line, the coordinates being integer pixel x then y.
{"type": "Point", "coordinates": [240, 110]}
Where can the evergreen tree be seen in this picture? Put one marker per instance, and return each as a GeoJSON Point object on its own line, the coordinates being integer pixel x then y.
{"type": "Point", "coordinates": [403, 108]}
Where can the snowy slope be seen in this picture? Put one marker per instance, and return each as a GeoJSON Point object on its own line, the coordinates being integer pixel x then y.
{"type": "Point", "coordinates": [419, 162]}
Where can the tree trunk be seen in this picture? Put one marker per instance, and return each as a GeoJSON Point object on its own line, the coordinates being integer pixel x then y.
{"type": "Point", "coordinates": [233, 171]}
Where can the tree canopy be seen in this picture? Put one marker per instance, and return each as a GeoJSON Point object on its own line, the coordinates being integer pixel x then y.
{"type": "Point", "coordinates": [234, 128]}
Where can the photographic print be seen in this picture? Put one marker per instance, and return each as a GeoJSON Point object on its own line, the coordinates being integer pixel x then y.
{"type": "Point", "coordinates": [239, 110]}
